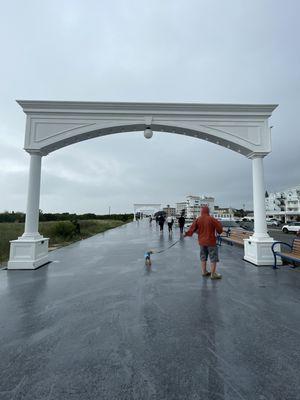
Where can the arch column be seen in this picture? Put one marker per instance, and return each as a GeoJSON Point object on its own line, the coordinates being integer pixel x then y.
{"type": "Point", "coordinates": [259, 207]}
{"type": "Point", "coordinates": [30, 250]}
{"type": "Point", "coordinates": [33, 198]}
{"type": "Point", "coordinates": [257, 249]}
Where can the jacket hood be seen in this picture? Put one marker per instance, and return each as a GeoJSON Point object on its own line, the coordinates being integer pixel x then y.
{"type": "Point", "coordinates": [205, 210]}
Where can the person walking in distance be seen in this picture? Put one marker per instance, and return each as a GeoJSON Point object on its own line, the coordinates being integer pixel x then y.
{"type": "Point", "coordinates": [161, 221]}
{"type": "Point", "coordinates": [170, 222]}
{"type": "Point", "coordinates": [207, 227]}
{"type": "Point", "coordinates": [181, 223]}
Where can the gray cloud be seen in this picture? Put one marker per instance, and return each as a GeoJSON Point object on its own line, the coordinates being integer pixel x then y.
{"type": "Point", "coordinates": [202, 51]}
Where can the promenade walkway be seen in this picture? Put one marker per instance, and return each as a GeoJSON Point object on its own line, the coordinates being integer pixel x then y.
{"type": "Point", "coordinates": [94, 324]}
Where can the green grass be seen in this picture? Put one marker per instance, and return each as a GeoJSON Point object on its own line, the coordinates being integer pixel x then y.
{"type": "Point", "coordinates": [60, 233]}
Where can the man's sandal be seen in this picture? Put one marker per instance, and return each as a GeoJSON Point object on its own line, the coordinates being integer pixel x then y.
{"type": "Point", "coordinates": [216, 276]}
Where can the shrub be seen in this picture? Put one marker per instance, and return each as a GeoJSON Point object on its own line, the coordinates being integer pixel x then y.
{"type": "Point", "coordinates": [64, 230]}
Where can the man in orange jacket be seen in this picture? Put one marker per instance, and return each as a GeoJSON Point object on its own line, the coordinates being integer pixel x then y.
{"type": "Point", "coordinates": [206, 227]}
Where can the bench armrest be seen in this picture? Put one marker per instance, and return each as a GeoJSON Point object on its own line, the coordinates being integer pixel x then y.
{"type": "Point", "coordinates": [285, 244]}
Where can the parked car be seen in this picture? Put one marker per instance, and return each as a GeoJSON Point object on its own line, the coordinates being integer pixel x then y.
{"type": "Point", "coordinates": [273, 222]}
{"type": "Point", "coordinates": [291, 227]}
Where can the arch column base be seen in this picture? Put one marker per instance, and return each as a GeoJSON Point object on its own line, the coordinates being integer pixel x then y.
{"type": "Point", "coordinates": [258, 251]}
{"type": "Point", "coordinates": [28, 253]}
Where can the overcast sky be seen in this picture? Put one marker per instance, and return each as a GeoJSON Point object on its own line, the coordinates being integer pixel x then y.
{"type": "Point", "coordinates": [233, 51]}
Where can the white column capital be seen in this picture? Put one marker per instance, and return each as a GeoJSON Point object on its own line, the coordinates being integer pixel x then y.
{"type": "Point", "coordinates": [255, 154]}
{"type": "Point", "coordinates": [36, 152]}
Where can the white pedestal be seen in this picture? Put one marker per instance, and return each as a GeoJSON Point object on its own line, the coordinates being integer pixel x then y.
{"type": "Point", "coordinates": [258, 251]}
{"type": "Point", "coordinates": [28, 253]}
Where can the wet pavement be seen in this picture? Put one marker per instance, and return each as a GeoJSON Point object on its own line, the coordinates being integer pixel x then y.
{"type": "Point", "coordinates": [95, 324]}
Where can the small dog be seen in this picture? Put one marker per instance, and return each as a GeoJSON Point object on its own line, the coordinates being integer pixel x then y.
{"type": "Point", "coordinates": [148, 258]}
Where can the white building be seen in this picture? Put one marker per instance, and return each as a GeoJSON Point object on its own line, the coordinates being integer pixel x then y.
{"type": "Point", "coordinates": [170, 211]}
{"type": "Point", "coordinates": [225, 213]}
{"type": "Point", "coordinates": [193, 205]}
{"type": "Point", "coordinates": [284, 205]}
{"type": "Point", "coordinates": [181, 208]}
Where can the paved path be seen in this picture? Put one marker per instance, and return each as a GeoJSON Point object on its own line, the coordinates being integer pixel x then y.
{"type": "Point", "coordinates": [96, 325]}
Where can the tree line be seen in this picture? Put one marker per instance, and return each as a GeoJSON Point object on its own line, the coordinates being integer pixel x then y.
{"type": "Point", "coordinates": [20, 217]}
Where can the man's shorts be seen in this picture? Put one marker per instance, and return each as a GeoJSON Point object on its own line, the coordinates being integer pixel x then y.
{"type": "Point", "coordinates": [212, 251]}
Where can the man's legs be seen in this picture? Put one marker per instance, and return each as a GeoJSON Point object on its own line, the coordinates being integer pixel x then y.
{"type": "Point", "coordinates": [214, 258]}
{"type": "Point", "coordinates": [203, 266]}
{"type": "Point", "coordinates": [203, 258]}
{"type": "Point", "coordinates": [213, 267]}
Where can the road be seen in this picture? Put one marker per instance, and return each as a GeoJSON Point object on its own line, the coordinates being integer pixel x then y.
{"type": "Point", "coordinates": [277, 234]}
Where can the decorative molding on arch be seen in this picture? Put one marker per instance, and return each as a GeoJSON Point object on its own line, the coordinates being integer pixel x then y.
{"type": "Point", "coordinates": [55, 124]}
{"type": "Point", "coordinates": [45, 130]}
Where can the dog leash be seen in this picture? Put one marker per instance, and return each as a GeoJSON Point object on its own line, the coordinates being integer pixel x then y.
{"type": "Point", "coordinates": [161, 251]}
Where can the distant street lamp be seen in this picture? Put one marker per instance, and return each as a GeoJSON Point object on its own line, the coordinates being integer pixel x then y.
{"type": "Point", "coordinates": [148, 133]}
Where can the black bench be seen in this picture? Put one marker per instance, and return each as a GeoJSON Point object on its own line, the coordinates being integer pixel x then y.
{"type": "Point", "coordinates": [293, 255]}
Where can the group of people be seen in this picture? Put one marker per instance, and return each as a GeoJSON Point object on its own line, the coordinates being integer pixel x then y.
{"type": "Point", "coordinates": [207, 228]}
{"type": "Point", "coordinates": [160, 220]}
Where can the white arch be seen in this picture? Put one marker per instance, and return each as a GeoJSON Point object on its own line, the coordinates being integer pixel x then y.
{"type": "Point", "coordinates": [145, 207]}
{"type": "Point", "coordinates": [52, 125]}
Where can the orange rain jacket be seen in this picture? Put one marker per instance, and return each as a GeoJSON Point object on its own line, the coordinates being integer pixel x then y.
{"type": "Point", "coordinates": [206, 227]}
